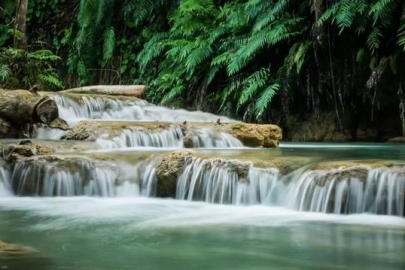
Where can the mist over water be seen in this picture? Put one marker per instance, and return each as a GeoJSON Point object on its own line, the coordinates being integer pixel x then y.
{"type": "Point", "coordinates": [167, 234]}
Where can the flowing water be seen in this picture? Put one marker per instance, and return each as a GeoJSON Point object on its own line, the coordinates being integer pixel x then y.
{"type": "Point", "coordinates": [234, 207]}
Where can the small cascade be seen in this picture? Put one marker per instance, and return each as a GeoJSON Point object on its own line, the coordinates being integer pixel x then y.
{"type": "Point", "coordinates": [339, 191]}
{"type": "Point", "coordinates": [45, 133]}
{"type": "Point", "coordinates": [208, 138]}
{"type": "Point", "coordinates": [225, 182]}
{"type": "Point", "coordinates": [89, 107]}
{"type": "Point", "coordinates": [172, 137]}
{"type": "Point", "coordinates": [140, 137]}
{"type": "Point", "coordinates": [376, 191]}
{"type": "Point", "coordinates": [5, 188]}
{"type": "Point", "coordinates": [70, 177]}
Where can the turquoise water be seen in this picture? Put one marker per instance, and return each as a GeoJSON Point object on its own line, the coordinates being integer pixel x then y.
{"type": "Point", "coordinates": [142, 233]}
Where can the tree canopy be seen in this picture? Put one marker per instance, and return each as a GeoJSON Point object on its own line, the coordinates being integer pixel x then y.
{"type": "Point", "coordinates": [257, 60]}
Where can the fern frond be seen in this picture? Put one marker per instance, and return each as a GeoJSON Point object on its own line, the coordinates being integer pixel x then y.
{"type": "Point", "coordinates": [254, 83]}
{"type": "Point", "coordinates": [265, 98]}
{"type": "Point", "coordinates": [43, 55]}
{"type": "Point", "coordinates": [4, 73]}
{"type": "Point", "coordinates": [51, 80]}
{"type": "Point", "coordinates": [198, 56]}
{"type": "Point", "coordinates": [382, 11]}
{"type": "Point", "coordinates": [401, 35]}
{"type": "Point", "coordinates": [109, 44]}
{"type": "Point", "coordinates": [373, 40]}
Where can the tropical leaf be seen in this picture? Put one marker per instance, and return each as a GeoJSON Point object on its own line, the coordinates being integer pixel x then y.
{"type": "Point", "coordinates": [265, 98]}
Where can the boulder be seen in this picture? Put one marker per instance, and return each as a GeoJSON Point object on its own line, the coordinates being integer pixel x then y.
{"type": "Point", "coordinates": [255, 135]}
{"type": "Point", "coordinates": [22, 111]}
{"type": "Point", "coordinates": [26, 148]}
{"type": "Point", "coordinates": [168, 171]}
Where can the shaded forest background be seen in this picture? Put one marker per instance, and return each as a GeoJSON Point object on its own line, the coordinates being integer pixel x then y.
{"type": "Point", "coordinates": [321, 69]}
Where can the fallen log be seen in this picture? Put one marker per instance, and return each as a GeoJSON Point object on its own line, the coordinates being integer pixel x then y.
{"type": "Point", "coordinates": [20, 107]}
{"type": "Point", "coordinates": [120, 90]}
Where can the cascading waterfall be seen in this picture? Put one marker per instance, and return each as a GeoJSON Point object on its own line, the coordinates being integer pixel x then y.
{"type": "Point", "coordinates": [208, 138]}
{"type": "Point", "coordinates": [98, 108]}
{"type": "Point", "coordinates": [78, 177]}
{"type": "Point", "coordinates": [5, 188]}
{"type": "Point", "coordinates": [382, 191]}
{"type": "Point", "coordinates": [225, 182]}
{"type": "Point", "coordinates": [111, 109]}
{"type": "Point", "coordinates": [171, 137]}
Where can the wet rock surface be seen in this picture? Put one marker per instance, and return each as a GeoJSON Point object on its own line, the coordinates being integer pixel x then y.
{"type": "Point", "coordinates": [21, 110]}
{"type": "Point", "coordinates": [250, 135]}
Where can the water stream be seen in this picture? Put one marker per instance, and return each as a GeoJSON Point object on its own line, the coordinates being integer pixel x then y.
{"type": "Point", "coordinates": [301, 206]}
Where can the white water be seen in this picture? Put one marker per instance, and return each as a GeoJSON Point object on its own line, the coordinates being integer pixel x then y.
{"type": "Point", "coordinates": [150, 213]}
{"type": "Point", "coordinates": [5, 188]}
{"type": "Point", "coordinates": [171, 137]}
{"type": "Point", "coordinates": [71, 178]}
{"type": "Point", "coordinates": [109, 109]}
{"type": "Point", "coordinates": [218, 181]}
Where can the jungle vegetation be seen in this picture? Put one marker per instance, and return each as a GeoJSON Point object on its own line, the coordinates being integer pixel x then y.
{"type": "Point", "coordinates": [255, 60]}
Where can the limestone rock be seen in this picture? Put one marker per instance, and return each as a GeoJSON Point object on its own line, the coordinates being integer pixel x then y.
{"type": "Point", "coordinates": [14, 251]}
{"type": "Point", "coordinates": [252, 135]}
{"type": "Point", "coordinates": [59, 123]}
{"type": "Point", "coordinates": [255, 135]}
{"type": "Point", "coordinates": [15, 152]}
{"type": "Point", "coordinates": [168, 170]}
{"type": "Point", "coordinates": [397, 140]}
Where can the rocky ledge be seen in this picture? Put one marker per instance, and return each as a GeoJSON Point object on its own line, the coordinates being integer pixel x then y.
{"type": "Point", "coordinates": [21, 111]}
{"type": "Point", "coordinates": [251, 135]}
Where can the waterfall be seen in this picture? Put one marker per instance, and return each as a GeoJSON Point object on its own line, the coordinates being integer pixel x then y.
{"type": "Point", "coordinates": [349, 191]}
{"type": "Point", "coordinates": [140, 137]}
{"type": "Point", "coordinates": [46, 133]}
{"type": "Point", "coordinates": [79, 177]}
{"type": "Point", "coordinates": [89, 107]}
{"type": "Point", "coordinates": [208, 138]}
{"type": "Point", "coordinates": [225, 182]}
{"type": "Point", "coordinates": [171, 137]}
{"type": "Point", "coordinates": [380, 191]}
{"type": "Point", "coordinates": [5, 188]}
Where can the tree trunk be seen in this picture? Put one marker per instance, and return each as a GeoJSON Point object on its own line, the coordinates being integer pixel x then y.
{"type": "Point", "coordinates": [20, 27]}
{"type": "Point", "coordinates": [120, 90]}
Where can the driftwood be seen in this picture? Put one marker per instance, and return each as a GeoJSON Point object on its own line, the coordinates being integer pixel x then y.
{"type": "Point", "coordinates": [121, 90]}
{"type": "Point", "coordinates": [21, 107]}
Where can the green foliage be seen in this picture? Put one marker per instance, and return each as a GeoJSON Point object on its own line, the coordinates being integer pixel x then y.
{"type": "Point", "coordinates": [22, 69]}
{"type": "Point", "coordinates": [235, 57]}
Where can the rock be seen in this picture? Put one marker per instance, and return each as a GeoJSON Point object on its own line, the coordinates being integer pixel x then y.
{"type": "Point", "coordinates": [21, 106]}
{"type": "Point", "coordinates": [7, 130]}
{"type": "Point", "coordinates": [26, 148]}
{"type": "Point", "coordinates": [14, 251]}
{"type": "Point", "coordinates": [252, 135]}
{"type": "Point", "coordinates": [397, 140]}
{"type": "Point", "coordinates": [47, 111]}
{"type": "Point", "coordinates": [21, 111]}
{"type": "Point", "coordinates": [255, 135]}
{"type": "Point", "coordinates": [59, 123]}
{"type": "Point", "coordinates": [168, 171]}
